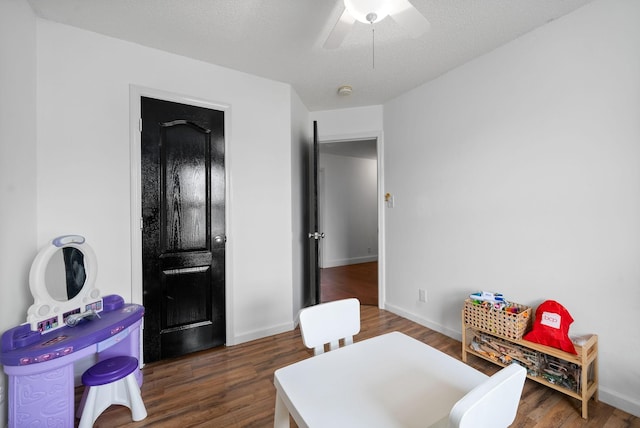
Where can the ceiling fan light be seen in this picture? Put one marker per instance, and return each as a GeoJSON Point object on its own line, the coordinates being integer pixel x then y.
{"type": "Point", "coordinates": [360, 9]}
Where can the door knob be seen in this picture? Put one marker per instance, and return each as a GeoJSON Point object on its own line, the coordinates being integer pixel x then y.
{"type": "Point", "coordinates": [220, 239]}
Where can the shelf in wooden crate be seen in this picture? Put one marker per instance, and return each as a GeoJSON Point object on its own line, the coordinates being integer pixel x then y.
{"type": "Point", "coordinates": [586, 360]}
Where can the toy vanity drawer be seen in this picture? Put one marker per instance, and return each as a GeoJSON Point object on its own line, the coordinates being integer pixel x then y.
{"type": "Point", "coordinates": [113, 340]}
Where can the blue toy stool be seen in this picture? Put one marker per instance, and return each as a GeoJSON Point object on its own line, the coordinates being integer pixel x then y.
{"type": "Point", "coordinates": [111, 381]}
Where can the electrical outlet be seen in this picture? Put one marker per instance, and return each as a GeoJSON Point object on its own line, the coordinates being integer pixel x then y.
{"type": "Point", "coordinates": [422, 295]}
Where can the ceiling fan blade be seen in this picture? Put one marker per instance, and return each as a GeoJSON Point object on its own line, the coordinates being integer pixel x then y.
{"type": "Point", "coordinates": [340, 31]}
{"type": "Point", "coordinates": [405, 14]}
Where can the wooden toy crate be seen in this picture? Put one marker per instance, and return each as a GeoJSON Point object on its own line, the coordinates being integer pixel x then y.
{"type": "Point", "coordinates": [498, 321]}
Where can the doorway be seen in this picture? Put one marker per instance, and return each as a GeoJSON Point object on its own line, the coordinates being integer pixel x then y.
{"type": "Point", "coordinates": [348, 215]}
{"type": "Point", "coordinates": [183, 227]}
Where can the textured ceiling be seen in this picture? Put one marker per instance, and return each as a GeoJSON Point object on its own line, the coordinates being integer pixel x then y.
{"type": "Point", "coordinates": [282, 39]}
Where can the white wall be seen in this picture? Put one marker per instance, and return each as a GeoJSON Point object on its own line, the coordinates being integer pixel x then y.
{"type": "Point", "coordinates": [348, 209]}
{"type": "Point", "coordinates": [18, 243]}
{"type": "Point", "coordinates": [301, 136]}
{"type": "Point", "coordinates": [519, 172]}
{"type": "Point", "coordinates": [83, 164]}
{"type": "Point", "coordinates": [350, 122]}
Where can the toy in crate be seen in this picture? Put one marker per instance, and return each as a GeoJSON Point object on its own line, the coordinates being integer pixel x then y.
{"type": "Point", "coordinates": [492, 313]}
{"type": "Point", "coordinates": [506, 352]}
{"type": "Point", "coordinates": [487, 296]}
{"type": "Point", "coordinates": [563, 373]}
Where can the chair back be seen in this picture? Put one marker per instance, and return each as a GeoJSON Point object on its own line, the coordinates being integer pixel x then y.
{"type": "Point", "coordinates": [328, 323]}
{"type": "Point", "coordinates": [492, 404]}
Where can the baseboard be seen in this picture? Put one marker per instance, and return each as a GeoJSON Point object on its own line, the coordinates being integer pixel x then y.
{"type": "Point", "coordinates": [423, 321]}
{"type": "Point", "coordinates": [259, 334]}
{"type": "Point", "coordinates": [619, 401]}
{"type": "Point", "coordinates": [350, 261]}
{"type": "Point", "coordinates": [612, 398]}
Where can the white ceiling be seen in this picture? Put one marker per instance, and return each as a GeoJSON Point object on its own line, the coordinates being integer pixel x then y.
{"type": "Point", "coordinates": [282, 39]}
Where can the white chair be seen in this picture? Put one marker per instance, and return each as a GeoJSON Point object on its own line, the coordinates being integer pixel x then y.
{"type": "Point", "coordinates": [492, 404]}
{"type": "Point", "coordinates": [328, 323]}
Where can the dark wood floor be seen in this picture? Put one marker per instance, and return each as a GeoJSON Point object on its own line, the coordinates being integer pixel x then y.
{"type": "Point", "coordinates": [357, 280]}
{"type": "Point", "coordinates": [233, 387]}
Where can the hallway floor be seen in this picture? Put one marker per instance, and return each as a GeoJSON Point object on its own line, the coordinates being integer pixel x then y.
{"type": "Point", "coordinates": [357, 280]}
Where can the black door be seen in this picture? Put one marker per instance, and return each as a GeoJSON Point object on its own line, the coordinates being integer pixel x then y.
{"type": "Point", "coordinates": [183, 241]}
{"type": "Point", "coordinates": [313, 223]}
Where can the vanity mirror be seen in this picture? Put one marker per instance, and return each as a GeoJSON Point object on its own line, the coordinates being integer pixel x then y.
{"type": "Point", "coordinates": [62, 282]}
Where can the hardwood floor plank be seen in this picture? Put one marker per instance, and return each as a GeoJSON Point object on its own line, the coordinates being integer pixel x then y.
{"type": "Point", "coordinates": [233, 386]}
{"type": "Point", "coordinates": [357, 280]}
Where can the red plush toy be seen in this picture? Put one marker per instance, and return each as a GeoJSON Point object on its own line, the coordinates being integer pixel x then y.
{"type": "Point", "coordinates": [551, 327]}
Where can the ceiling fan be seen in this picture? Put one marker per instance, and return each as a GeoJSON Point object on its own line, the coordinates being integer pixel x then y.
{"type": "Point", "coordinates": [372, 11]}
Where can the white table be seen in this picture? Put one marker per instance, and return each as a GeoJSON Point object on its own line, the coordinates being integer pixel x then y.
{"type": "Point", "coordinates": [388, 381]}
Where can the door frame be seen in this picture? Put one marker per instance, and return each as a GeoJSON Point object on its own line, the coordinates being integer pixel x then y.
{"type": "Point", "coordinates": [378, 136]}
{"type": "Point", "coordinates": [135, 145]}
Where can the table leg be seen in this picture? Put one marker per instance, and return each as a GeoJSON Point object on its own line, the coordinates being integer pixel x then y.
{"type": "Point", "coordinates": [281, 416]}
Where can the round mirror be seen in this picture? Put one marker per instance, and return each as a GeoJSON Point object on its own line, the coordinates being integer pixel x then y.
{"type": "Point", "coordinates": [62, 282]}
{"type": "Point", "coordinates": [65, 274]}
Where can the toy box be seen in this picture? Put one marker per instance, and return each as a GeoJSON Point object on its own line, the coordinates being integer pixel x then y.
{"type": "Point", "coordinates": [511, 321]}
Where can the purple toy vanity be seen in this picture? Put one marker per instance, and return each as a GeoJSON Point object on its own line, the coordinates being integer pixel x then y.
{"type": "Point", "coordinates": [68, 320]}
{"type": "Point", "coordinates": [40, 365]}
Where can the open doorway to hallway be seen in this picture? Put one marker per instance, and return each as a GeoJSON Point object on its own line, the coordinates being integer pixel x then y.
{"type": "Point", "coordinates": [348, 215]}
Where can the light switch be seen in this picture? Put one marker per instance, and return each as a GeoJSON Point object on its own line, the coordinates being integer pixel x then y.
{"type": "Point", "coordinates": [389, 200]}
